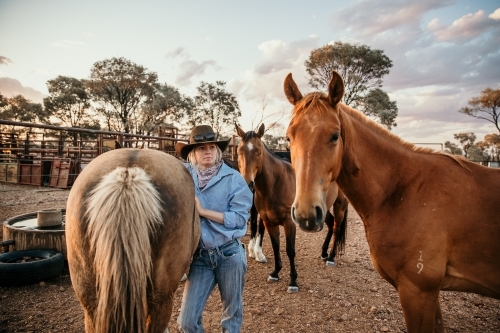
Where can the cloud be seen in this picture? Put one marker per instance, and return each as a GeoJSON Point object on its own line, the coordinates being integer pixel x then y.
{"type": "Point", "coordinates": [66, 44]}
{"type": "Point", "coordinates": [367, 18]}
{"type": "Point", "coordinates": [191, 68]}
{"type": "Point", "coordinates": [11, 87]}
{"type": "Point", "coordinates": [87, 34]}
{"type": "Point", "coordinates": [178, 52]}
{"type": "Point", "coordinates": [5, 60]}
{"type": "Point", "coordinates": [495, 15]}
{"type": "Point", "coordinates": [464, 29]}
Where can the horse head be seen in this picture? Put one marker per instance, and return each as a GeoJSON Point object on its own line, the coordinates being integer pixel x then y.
{"type": "Point", "coordinates": [250, 153]}
{"type": "Point", "coordinates": [315, 119]}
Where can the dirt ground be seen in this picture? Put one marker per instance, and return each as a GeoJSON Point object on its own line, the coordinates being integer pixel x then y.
{"type": "Point", "coordinates": [350, 297]}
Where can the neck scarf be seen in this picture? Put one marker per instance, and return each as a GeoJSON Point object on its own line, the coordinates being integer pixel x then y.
{"type": "Point", "coordinates": [204, 176]}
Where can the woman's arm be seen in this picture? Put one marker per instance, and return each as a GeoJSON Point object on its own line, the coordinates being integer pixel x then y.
{"type": "Point", "coordinates": [209, 214]}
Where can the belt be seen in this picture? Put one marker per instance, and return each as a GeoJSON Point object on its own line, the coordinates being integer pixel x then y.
{"type": "Point", "coordinates": [199, 250]}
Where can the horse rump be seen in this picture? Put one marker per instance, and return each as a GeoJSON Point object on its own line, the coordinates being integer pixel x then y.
{"type": "Point", "coordinates": [131, 229]}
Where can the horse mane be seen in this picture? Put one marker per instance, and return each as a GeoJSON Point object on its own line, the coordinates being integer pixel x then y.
{"type": "Point", "coordinates": [319, 100]}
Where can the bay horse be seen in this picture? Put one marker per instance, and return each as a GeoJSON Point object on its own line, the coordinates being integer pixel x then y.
{"type": "Point", "coordinates": [432, 220]}
{"type": "Point", "coordinates": [131, 230]}
{"type": "Point", "coordinates": [274, 185]}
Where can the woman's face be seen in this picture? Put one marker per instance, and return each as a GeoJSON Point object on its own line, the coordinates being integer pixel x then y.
{"type": "Point", "coordinates": [206, 154]}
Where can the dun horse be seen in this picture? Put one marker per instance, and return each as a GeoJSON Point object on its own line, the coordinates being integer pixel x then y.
{"type": "Point", "coordinates": [432, 220]}
{"type": "Point", "coordinates": [131, 229]}
{"type": "Point", "coordinates": [274, 185]}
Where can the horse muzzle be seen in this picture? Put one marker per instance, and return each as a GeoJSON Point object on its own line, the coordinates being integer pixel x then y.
{"type": "Point", "coordinates": [312, 222]}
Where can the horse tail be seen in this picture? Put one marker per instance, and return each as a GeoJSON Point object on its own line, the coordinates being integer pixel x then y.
{"type": "Point", "coordinates": [123, 210]}
{"type": "Point", "coordinates": [341, 234]}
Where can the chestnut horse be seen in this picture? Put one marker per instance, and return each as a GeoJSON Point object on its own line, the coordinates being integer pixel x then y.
{"type": "Point", "coordinates": [131, 229]}
{"type": "Point", "coordinates": [432, 220]}
{"type": "Point", "coordinates": [274, 185]}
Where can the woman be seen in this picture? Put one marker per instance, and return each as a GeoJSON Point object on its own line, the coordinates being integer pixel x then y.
{"type": "Point", "coordinates": [223, 201]}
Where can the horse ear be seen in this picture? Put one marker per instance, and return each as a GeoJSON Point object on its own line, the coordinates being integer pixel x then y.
{"type": "Point", "coordinates": [239, 130]}
{"type": "Point", "coordinates": [335, 89]}
{"type": "Point", "coordinates": [292, 92]}
{"type": "Point", "coordinates": [261, 131]}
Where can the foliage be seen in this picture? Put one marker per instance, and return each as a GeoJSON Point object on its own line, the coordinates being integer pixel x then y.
{"type": "Point", "coordinates": [467, 140]}
{"type": "Point", "coordinates": [475, 154]}
{"type": "Point", "coordinates": [362, 70]}
{"type": "Point", "coordinates": [165, 106]}
{"type": "Point", "coordinates": [120, 86]}
{"type": "Point", "coordinates": [18, 108]}
{"type": "Point", "coordinates": [486, 107]}
{"type": "Point", "coordinates": [452, 148]}
{"type": "Point", "coordinates": [214, 106]}
{"type": "Point", "coordinates": [69, 102]}
{"type": "Point", "coordinates": [491, 146]}
{"type": "Point", "coordinates": [376, 104]}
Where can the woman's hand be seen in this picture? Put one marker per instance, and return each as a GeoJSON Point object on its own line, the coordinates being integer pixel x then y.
{"type": "Point", "coordinates": [207, 213]}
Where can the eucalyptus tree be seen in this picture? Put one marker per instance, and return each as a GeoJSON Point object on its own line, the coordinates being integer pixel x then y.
{"type": "Point", "coordinates": [362, 70]}
{"type": "Point", "coordinates": [69, 103]}
{"type": "Point", "coordinates": [485, 107]}
{"type": "Point", "coordinates": [214, 106]}
{"type": "Point", "coordinates": [120, 86]}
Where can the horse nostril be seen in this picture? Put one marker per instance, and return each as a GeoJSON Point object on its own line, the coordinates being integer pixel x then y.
{"type": "Point", "coordinates": [319, 214]}
{"type": "Point", "coordinates": [250, 186]}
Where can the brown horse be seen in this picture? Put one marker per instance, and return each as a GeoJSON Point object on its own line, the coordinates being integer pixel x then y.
{"type": "Point", "coordinates": [131, 229]}
{"type": "Point", "coordinates": [432, 220]}
{"type": "Point", "coordinates": [274, 185]}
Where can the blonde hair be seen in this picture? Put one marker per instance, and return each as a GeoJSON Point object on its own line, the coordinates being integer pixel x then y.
{"type": "Point", "coordinates": [191, 158]}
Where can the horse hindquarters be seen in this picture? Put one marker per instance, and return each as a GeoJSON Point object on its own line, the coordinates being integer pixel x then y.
{"type": "Point", "coordinates": [130, 238]}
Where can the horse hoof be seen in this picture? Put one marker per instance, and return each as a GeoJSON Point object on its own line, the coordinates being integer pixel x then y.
{"type": "Point", "coordinates": [261, 259]}
{"type": "Point", "coordinates": [272, 279]}
{"type": "Point", "coordinates": [330, 263]}
{"type": "Point", "coordinates": [292, 290]}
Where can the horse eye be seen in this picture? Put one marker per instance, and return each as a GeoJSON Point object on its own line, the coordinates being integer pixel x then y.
{"type": "Point", "coordinates": [334, 138]}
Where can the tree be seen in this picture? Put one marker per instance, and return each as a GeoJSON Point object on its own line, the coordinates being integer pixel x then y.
{"type": "Point", "coordinates": [120, 86]}
{"type": "Point", "coordinates": [476, 154]}
{"type": "Point", "coordinates": [376, 104]}
{"type": "Point", "coordinates": [491, 145]}
{"type": "Point", "coordinates": [452, 148]}
{"type": "Point", "coordinates": [485, 107]}
{"type": "Point", "coordinates": [214, 106]}
{"type": "Point", "coordinates": [362, 70]}
{"type": "Point", "coordinates": [20, 109]}
{"type": "Point", "coordinates": [466, 139]}
{"type": "Point", "coordinates": [166, 105]}
{"type": "Point", "coordinates": [69, 102]}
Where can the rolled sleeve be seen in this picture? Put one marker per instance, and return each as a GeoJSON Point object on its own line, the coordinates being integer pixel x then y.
{"type": "Point", "coordinates": [240, 204]}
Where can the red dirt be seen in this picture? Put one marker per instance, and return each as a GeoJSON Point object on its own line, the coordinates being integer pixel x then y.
{"type": "Point", "coordinates": [350, 297]}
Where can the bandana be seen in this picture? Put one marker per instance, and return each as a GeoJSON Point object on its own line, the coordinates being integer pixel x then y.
{"type": "Point", "coordinates": [204, 176]}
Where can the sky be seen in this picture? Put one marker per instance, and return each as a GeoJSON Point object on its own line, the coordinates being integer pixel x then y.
{"type": "Point", "coordinates": [443, 52]}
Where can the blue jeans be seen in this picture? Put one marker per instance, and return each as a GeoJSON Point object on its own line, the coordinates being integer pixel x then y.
{"type": "Point", "coordinates": [225, 266]}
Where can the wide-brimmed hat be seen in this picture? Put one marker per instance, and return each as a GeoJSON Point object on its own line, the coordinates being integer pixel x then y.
{"type": "Point", "coordinates": [199, 134]}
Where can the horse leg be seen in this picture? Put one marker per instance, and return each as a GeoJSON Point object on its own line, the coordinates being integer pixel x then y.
{"type": "Point", "coordinates": [340, 232]}
{"type": "Point", "coordinates": [329, 221]}
{"type": "Point", "coordinates": [253, 231]}
{"type": "Point", "coordinates": [274, 234]}
{"type": "Point", "coordinates": [290, 232]}
{"type": "Point", "coordinates": [421, 309]}
{"type": "Point", "coordinates": [161, 311]}
{"type": "Point", "coordinates": [259, 256]}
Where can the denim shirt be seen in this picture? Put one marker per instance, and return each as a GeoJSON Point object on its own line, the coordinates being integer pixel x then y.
{"type": "Point", "coordinates": [228, 193]}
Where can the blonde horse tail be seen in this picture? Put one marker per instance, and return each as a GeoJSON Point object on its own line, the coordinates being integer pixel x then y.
{"type": "Point", "coordinates": [122, 211]}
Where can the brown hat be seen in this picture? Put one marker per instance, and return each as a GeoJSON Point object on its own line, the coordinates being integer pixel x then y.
{"type": "Point", "coordinates": [199, 134]}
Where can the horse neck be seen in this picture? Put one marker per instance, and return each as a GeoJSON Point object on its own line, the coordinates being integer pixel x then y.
{"type": "Point", "coordinates": [369, 174]}
{"type": "Point", "coordinates": [273, 171]}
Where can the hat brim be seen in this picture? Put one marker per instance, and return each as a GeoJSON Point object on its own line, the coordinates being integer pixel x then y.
{"type": "Point", "coordinates": [182, 149]}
